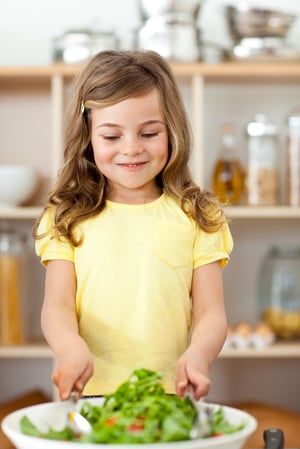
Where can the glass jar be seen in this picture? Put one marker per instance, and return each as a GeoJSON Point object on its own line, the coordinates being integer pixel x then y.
{"type": "Point", "coordinates": [279, 291]}
{"type": "Point", "coordinates": [78, 45]}
{"type": "Point", "coordinates": [262, 177]}
{"type": "Point", "coordinates": [13, 252]}
{"type": "Point", "coordinates": [228, 173]}
{"type": "Point", "coordinates": [293, 159]}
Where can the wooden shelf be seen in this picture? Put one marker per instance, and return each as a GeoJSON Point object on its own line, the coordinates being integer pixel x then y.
{"type": "Point", "coordinates": [276, 350]}
{"type": "Point", "coordinates": [233, 212]}
{"type": "Point", "coordinates": [225, 71]}
{"type": "Point", "coordinates": [30, 350]}
{"type": "Point", "coordinates": [282, 212]}
{"type": "Point", "coordinates": [20, 213]}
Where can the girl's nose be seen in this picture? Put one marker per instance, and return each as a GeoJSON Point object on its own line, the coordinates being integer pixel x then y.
{"type": "Point", "coordinates": [131, 147]}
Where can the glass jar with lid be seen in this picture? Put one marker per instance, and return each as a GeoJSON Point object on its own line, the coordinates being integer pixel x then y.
{"type": "Point", "coordinates": [279, 290]}
{"type": "Point", "coordinates": [13, 254]}
{"type": "Point", "coordinates": [262, 174]}
{"type": "Point", "coordinates": [292, 152]}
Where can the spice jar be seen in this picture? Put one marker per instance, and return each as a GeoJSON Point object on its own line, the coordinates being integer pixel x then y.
{"type": "Point", "coordinates": [12, 286]}
{"type": "Point", "coordinates": [279, 291]}
{"type": "Point", "coordinates": [293, 159]}
{"type": "Point", "coordinates": [262, 175]}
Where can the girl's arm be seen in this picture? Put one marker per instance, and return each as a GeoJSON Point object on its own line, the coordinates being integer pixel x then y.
{"type": "Point", "coordinates": [208, 331]}
{"type": "Point", "coordinates": [74, 364]}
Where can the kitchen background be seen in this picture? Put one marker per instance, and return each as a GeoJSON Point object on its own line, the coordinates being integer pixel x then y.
{"type": "Point", "coordinates": [27, 30]}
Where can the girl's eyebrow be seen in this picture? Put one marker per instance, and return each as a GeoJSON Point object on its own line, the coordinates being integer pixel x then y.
{"type": "Point", "coordinates": [115, 125]}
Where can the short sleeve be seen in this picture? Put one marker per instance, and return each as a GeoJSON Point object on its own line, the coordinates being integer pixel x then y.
{"type": "Point", "coordinates": [212, 246]}
{"type": "Point", "coordinates": [48, 246]}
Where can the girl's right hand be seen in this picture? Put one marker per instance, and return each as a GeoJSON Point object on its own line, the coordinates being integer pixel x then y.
{"type": "Point", "coordinates": [74, 367]}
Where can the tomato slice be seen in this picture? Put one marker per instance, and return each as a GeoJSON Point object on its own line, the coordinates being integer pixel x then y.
{"type": "Point", "coordinates": [111, 421]}
{"type": "Point", "coordinates": [137, 425]}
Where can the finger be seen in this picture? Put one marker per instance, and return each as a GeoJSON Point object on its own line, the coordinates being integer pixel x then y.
{"type": "Point", "coordinates": [181, 381]}
{"type": "Point", "coordinates": [84, 378]}
{"type": "Point", "coordinates": [202, 387]}
{"type": "Point", "coordinates": [65, 384]}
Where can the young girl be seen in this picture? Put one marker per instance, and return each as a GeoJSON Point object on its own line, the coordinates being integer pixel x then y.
{"type": "Point", "coordinates": [133, 248]}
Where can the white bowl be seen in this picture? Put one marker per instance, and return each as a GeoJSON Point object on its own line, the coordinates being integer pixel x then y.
{"type": "Point", "coordinates": [17, 184]}
{"type": "Point", "coordinates": [54, 415]}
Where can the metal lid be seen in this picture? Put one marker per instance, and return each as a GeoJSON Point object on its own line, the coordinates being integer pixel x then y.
{"type": "Point", "coordinates": [260, 126]}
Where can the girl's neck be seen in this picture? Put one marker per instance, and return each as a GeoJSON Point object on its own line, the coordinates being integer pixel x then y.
{"type": "Point", "coordinates": [133, 196]}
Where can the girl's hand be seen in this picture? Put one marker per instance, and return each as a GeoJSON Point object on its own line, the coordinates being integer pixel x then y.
{"type": "Point", "coordinates": [192, 370]}
{"type": "Point", "coordinates": [74, 367]}
{"type": "Point", "coordinates": [208, 331]}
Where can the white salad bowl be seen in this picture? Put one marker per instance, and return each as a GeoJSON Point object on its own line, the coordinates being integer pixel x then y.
{"type": "Point", "coordinates": [54, 415]}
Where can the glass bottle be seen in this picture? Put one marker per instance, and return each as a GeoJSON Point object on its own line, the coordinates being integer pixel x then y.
{"type": "Point", "coordinates": [228, 174]}
{"type": "Point", "coordinates": [13, 251]}
{"type": "Point", "coordinates": [293, 159]}
{"type": "Point", "coordinates": [262, 174]}
{"type": "Point", "coordinates": [279, 290]}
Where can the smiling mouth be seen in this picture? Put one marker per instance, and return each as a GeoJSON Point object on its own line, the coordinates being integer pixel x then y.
{"type": "Point", "coordinates": [135, 165]}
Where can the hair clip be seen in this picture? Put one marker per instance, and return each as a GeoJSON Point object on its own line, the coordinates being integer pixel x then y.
{"type": "Point", "coordinates": [82, 108]}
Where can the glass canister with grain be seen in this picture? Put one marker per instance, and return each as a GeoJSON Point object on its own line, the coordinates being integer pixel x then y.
{"type": "Point", "coordinates": [13, 255]}
{"type": "Point", "coordinates": [292, 152]}
{"type": "Point", "coordinates": [262, 173]}
{"type": "Point", "coordinates": [279, 290]}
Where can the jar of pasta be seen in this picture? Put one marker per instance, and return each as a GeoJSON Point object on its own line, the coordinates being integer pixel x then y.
{"type": "Point", "coordinates": [13, 251]}
{"type": "Point", "coordinates": [262, 174]}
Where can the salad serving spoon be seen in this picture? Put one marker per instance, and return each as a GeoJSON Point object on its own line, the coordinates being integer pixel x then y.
{"type": "Point", "coordinates": [202, 425]}
{"type": "Point", "coordinates": [78, 423]}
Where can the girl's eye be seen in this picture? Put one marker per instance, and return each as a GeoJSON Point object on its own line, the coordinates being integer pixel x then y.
{"type": "Point", "coordinates": [149, 135]}
{"type": "Point", "coordinates": [110, 137]}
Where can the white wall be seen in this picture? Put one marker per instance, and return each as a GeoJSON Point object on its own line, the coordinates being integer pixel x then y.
{"type": "Point", "coordinates": [27, 27]}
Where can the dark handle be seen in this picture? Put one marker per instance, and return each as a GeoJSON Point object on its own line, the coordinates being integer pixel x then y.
{"type": "Point", "coordinates": [274, 439]}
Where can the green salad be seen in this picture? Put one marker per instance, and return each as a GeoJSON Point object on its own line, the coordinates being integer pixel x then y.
{"type": "Point", "coordinates": [139, 411]}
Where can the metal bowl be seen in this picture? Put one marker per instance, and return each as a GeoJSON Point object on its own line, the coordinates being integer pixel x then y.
{"type": "Point", "coordinates": [154, 8]}
{"type": "Point", "coordinates": [254, 22]}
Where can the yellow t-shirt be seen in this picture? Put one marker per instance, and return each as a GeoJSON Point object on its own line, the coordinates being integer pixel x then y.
{"type": "Point", "coordinates": [134, 272]}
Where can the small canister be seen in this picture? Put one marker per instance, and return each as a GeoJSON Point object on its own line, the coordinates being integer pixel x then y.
{"type": "Point", "coordinates": [293, 159]}
{"type": "Point", "coordinates": [262, 174]}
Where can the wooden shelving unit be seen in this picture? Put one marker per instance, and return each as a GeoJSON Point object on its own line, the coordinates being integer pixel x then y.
{"type": "Point", "coordinates": [53, 79]}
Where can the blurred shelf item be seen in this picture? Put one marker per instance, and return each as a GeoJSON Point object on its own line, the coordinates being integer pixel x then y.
{"type": "Point", "coordinates": [276, 350]}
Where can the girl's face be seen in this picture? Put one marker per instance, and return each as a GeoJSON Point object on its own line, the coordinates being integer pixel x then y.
{"type": "Point", "coordinates": [130, 144]}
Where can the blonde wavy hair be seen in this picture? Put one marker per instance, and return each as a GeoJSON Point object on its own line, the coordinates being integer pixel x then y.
{"type": "Point", "coordinates": [108, 78]}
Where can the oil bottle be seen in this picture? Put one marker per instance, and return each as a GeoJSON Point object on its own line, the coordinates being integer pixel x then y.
{"type": "Point", "coordinates": [228, 173]}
